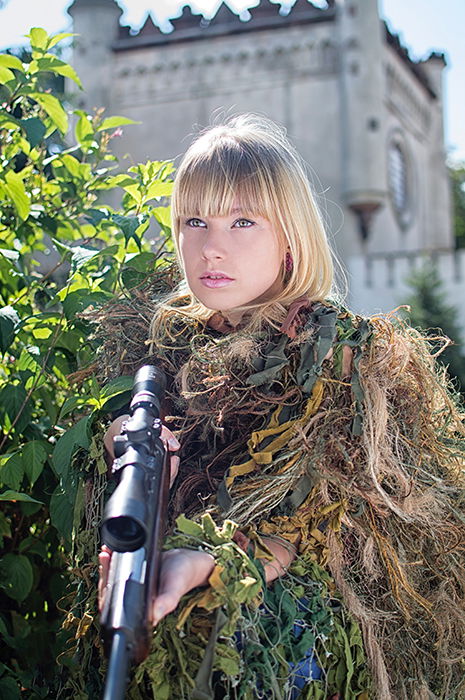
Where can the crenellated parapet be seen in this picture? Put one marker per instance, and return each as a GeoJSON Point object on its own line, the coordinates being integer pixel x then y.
{"type": "Point", "coordinates": [194, 27]}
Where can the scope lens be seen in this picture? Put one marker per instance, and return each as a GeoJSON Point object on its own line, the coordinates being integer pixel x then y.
{"type": "Point", "coordinates": [123, 534]}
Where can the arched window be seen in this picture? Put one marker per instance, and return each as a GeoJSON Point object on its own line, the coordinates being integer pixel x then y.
{"type": "Point", "coordinates": [400, 179]}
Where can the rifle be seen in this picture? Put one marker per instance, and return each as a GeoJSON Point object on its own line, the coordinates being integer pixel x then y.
{"type": "Point", "coordinates": [132, 527]}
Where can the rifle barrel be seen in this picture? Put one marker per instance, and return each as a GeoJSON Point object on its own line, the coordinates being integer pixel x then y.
{"type": "Point", "coordinates": [115, 686]}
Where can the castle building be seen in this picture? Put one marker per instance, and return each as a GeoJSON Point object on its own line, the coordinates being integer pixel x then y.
{"type": "Point", "coordinates": [366, 117]}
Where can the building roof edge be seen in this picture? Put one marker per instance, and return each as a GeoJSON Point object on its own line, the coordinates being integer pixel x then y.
{"type": "Point", "coordinates": [416, 68]}
{"type": "Point", "coordinates": [207, 30]}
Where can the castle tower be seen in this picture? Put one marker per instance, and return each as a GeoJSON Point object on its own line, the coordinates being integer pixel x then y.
{"type": "Point", "coordinates": [438, 185]}
{"type": "Point", "coordinates": [96, 24]}
{"type": "Point", "coordinates": [362, 86]}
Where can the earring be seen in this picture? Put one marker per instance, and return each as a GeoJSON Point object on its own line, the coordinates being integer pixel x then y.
{"type": "Point", "coordinates": [289, 264]}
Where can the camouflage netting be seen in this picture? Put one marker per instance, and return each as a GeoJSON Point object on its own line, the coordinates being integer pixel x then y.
{"type": "Point", "coordinates": [342, 438]}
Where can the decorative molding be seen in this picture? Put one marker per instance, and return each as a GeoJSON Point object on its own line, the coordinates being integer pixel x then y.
{"type": "Point", "coordinates": [415, 67]}
{"type": "Point", "coordinates": [301, 58]}
{"type": "Point", "coordinates": [402, 97]}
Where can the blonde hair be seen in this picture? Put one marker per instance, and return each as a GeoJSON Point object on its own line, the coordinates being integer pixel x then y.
{"type": "Point", "coordinates": [249, 158]}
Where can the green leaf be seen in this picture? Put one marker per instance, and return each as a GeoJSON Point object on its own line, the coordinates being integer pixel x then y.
{"type": "Point", "coordinates": [188, 527]}
{"type": "Point", "coordinates": [78, 255]}
{"type": "Point", "coordinates": [121, 180]}
{"type": "Point", "coordinates": [39, 38]}
{"type": "Point", "coordinates": [81, 256]}
{"type": "Point", "coordinates": [35, 130]}
{"type": "Point", "coordinates": [9, 320]}
{"type": "Point", "coordinates": [5, 527]}
{"type": "Point", "coordinates": [81, 299]}
{"type": "Point", "coordinates": [9, 689]}
{"type": "Point", "coordinates": [28, 360]}
{"type": "Point", "coordinates": [6, 75]}
{"type": "Point", "coordinates": [137, 269]}
{"type": "Point", "coordinates": [163, 216]}
{"type": "Point", "coordinates": [95, 216]}
{"type": "Point", "coordinates": [7, 121]}
{"type": "Point", "coordinates": [69, 405]}
{"type": "Point", "coordinates": [9, 254]}
{"type": "Point", "coordinates": [132, 278]}
{"type": "Point", "coordinates": [16, 576]}
{"type": "Point", "coordinates": [33, 545]}
{"type": "Point", "coordinates": [12, 400]}
{"type": "Point", "coordinates": [128, 225]}
{"type": "Point", "coordinates": [16, 496]}
{"type": "Point", "coordinates": [52, 106]}
{"type": "Point", "coordinates": [34, 454]}
{"type": "Point", "coordinates": [114, 122]}
{"type": "Point", "coordinates": [72, 164]}
{"type": "Point", "coordinates": [159, 189]}
{"type": "Point", "coordinates": [15, 190]}
{"type": "Point", "coordinates": [11, 470]}
{"type": "Point", "coordinates": [143, 262]}
{"type": "Point", "coordinates": [62, 513]}
{"type": "Point", "coordinates": [117, 386]}
{"type": "Point", "coordinates": [53, 40]}
{"type": "Point", "coordinates": [84, 130]}
{"type": "Point", "coordinates": [52, 63]}
{"type": "Point", "coordinates": [77, 436]}
{"type": "Point", "coordinates": [8, 61]}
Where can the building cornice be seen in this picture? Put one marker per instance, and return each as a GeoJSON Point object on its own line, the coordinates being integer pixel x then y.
{"type": "Point", "coordinates": [416, 68]}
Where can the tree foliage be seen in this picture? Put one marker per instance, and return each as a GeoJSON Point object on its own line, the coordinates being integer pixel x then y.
{"type": "Point", "coordinates": [53, 207]}
{"type": "Point", "coordinates": [457, 178]}
{"type": "Point", "coordinates": [429, 310]}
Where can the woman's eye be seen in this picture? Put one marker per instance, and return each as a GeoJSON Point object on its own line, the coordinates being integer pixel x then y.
{"type": "Point", "coordinates": [243, 223]}
{"type": "Point", "coordinates": [195, 223]}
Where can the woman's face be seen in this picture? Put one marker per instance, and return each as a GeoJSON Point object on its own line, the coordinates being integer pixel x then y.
{"type": "Point", "coordinates": [230, 261]}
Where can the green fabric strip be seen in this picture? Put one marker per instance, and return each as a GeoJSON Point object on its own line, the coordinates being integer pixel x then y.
{"type": "Point", "coordinates": [323, 321]}
{"type": "Point", "coordinates": [203, 689]}
{"type": "Point", "coordinates": [271, 364]}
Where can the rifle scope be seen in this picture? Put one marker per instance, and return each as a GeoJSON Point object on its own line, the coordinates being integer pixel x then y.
{"type": "Point", "coordinates": [139, 454]}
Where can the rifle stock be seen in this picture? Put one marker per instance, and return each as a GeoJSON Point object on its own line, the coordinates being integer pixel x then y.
{"type": "Point", "coordinates": [132, 528]}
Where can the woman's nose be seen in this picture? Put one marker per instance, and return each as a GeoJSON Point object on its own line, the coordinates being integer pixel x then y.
{"type": "Point", "coordinates": [213, 247]}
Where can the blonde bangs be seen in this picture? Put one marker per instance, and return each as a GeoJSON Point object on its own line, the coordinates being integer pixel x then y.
{"type": "Point", "coordinates": [209, 186]}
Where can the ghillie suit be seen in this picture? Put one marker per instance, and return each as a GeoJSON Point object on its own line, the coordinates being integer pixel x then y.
{"type": "Point", "coordinates": [339, 435]}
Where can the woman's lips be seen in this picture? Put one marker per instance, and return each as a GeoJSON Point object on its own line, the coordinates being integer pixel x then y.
{"type": "Point", "coordinates": [214, 281]}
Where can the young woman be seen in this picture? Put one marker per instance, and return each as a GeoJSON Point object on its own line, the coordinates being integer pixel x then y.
{"type": "Point", "coordinates": [316, 546]}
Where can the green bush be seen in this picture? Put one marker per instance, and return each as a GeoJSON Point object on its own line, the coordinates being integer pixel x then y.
{"type": "Point", "coordinates": [53, 206]}
{"type": "Point", "coordinates": [430, 311]}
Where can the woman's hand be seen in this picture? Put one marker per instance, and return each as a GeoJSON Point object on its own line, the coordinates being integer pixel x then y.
{"type": "Point", "coordinates": [185, 569]}
{"type": "Point", "coordinates": [170, 442]}
{"type": "Point", "coordinates": [181, 571]}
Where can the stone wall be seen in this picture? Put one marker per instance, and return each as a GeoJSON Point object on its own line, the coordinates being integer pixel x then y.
{"type": "Point", "coordinates": [378, 283]}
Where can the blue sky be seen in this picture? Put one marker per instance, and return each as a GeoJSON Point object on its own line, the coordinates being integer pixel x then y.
{"type": "Point", "coordinates": [423, 25]}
